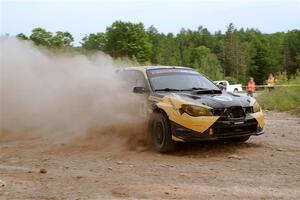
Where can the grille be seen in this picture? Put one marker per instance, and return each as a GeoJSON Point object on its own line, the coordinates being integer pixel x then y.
{"type": "Point", "coordinates": [232, 112]}
{"type": "Point", "coordinates": [218, 111]}
{"type": "Point", "coordinates": [248, 109]}
{"type": "Point", "coordinates": [235, 112]}
{"type": "Point", "coordinates": [226, 131]}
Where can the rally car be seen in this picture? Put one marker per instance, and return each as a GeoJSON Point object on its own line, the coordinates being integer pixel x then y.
{"type": "Point", "coordinates": [183, 105]}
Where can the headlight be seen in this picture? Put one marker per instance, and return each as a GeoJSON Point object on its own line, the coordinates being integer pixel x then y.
{"type": "Point", "coordinates": [256, 107]}
{"type": "Point", "coordinates": [196, 111]}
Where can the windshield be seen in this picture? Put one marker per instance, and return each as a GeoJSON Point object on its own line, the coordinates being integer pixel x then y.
{"type": "Point", "coordinates": [178, 79]}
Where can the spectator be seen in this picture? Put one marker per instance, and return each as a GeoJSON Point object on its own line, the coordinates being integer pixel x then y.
{"type": "Point", "coordinates": [271, 82]}
{"type": "Point", "coordinates": [250, 87]}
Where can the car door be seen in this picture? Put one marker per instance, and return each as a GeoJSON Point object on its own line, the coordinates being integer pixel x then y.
{"type": "Point", "coordinates": [134, 78]}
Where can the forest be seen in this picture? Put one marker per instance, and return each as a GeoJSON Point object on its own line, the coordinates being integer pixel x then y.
{"type": "Point", "coordinates": [236, 54]}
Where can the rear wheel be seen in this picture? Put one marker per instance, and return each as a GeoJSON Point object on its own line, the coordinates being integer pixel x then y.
{"type": "Point", "coordinates": [235, 90]}
{"type": "Point", "coordinates": [160, 133]}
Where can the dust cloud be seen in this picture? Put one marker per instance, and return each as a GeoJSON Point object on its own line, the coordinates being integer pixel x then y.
{"type": "Point", "coordinates": [64, 95]}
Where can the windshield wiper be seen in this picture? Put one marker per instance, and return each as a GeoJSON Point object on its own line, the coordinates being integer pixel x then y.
{"type": "Point", "coordinates": [208, 91]}
{"type": "Point", "coordinates": [200, 90]}
{"type": "Point", "coordinates": [167, 89]}
{"type": "Point", "coordinates": [195, 88]}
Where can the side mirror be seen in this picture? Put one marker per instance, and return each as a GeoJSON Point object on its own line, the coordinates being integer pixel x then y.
{"type": "Point", "coordinates": [139, 90]}
{"type": "Point", "coordinates": [221, 86]}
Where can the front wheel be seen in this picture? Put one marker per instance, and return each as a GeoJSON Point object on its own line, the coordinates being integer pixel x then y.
{"type": "Point", "coordinates": [160, 133]}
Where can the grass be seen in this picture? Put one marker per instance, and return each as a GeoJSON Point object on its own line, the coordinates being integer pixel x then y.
{"type": "Point", "coordinates": [282, 98]}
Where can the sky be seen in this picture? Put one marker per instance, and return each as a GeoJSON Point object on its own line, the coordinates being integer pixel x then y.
{"type": "Point", "coordinates": [81, 17]}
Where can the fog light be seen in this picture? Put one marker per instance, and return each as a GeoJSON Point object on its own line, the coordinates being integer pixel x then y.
{"type": "Point", "coordinates": [211, 131]}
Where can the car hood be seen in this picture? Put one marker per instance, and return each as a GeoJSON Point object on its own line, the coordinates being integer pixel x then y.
{"type": "Point", "coordinates": [222, 100]}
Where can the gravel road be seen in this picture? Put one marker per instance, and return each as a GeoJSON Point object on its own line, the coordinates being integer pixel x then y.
{"type": "Point", "coordinates": [93, 167]}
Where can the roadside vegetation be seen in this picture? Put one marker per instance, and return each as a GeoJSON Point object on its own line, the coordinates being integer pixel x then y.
{"type": "Point", "coordinates": [236, 54]}
{"type": "Point", "coordinates": [286, 98]}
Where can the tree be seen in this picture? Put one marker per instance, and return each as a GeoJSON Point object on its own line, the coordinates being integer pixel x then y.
{"type": "Point", "coordinates": [187, 41]}
{"type": "Point", "coordinates": [170, 54]}
{"type": "Point", "coordinates": [232, 52]}
{"type": "Point", "coordinates": [237, 54]}
{"type": "Point", "coordinates": [262, 62]}
{"type": "Point", "coordinates": [94, 41]}
{"type": "Point", "coordinates": [41, 37]}
{"type": "Point", "coordinates": [62, 39]}
{"type": "Point", "coordinates": [292, 52]}
{"type": "Point", "coordinates": [156, 40]}
{"type": "Point", "coordinates": [22, 36]}
{"type": "Point", "coordinates": [125, 39]}
{"type": "Point", "coordinates": [205, 37]}
{"type": "Point", "coordinates": [207, 62]}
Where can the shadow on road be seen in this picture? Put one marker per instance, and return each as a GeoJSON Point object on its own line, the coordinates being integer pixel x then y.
{"type": "Point", "coordinates": [212, 148]}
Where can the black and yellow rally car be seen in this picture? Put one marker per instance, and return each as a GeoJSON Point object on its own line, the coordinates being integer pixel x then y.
{"type": "Point", "coordinates": [186, 106]}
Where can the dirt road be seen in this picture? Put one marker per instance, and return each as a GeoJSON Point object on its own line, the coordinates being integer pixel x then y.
{"type": "Point", "coordinates": [266, 167]}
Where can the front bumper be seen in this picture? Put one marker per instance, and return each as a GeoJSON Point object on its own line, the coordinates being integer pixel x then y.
{"type": "Point", "coordinates": [219, 130]}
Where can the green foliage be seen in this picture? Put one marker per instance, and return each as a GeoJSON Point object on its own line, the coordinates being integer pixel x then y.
{"type": "Point", "coordinates": [169, 52]}
{"type": "Point", "coordinates": [207, 62]}
{"type": "Point", "coordinates": [155, 39]}
{"type": "Point", "coordinates": [261, 63]}
{"type": "Point", "coordinates": [94, 41]}
{"type": "Point", "coordinates": [231, 79]}
{"type": "Point", "coordinates": [238, 54]}
{"type": "Point", "coordinates": [283, 98]}
{"type": "Point", "coordinates": [41, 37]}
{"type": "Point", "coordinates": [22, 36]}
{"type": "Point", "coordinates": [292, 52]}
{"type": "Point", "coordinates": [232, 52]}
{"type": "Point", "coordinates": [128, 39]}
{"type": "Point", "coordinates": [62, 39]}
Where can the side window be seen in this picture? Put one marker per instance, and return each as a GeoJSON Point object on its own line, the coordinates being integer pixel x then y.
{"type": "Point", "coordinates": [134, 79]}
{"type": "Point", "coordinates": [139, 79]}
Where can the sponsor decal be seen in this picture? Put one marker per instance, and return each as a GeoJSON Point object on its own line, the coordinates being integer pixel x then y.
{"type": "Point", "coordinates": [171, 71]}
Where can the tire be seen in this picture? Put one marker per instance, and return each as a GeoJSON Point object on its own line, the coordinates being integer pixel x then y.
{"type": "Point", "coordinates": [241, 139]}
{"type": "Point", "coordinates": [160, 133]}
{"type": "Point", "coordinates": [235, 90]}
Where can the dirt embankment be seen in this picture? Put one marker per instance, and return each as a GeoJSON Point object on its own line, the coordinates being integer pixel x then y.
{"type": "Point", "coordinates": [266, 167]}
